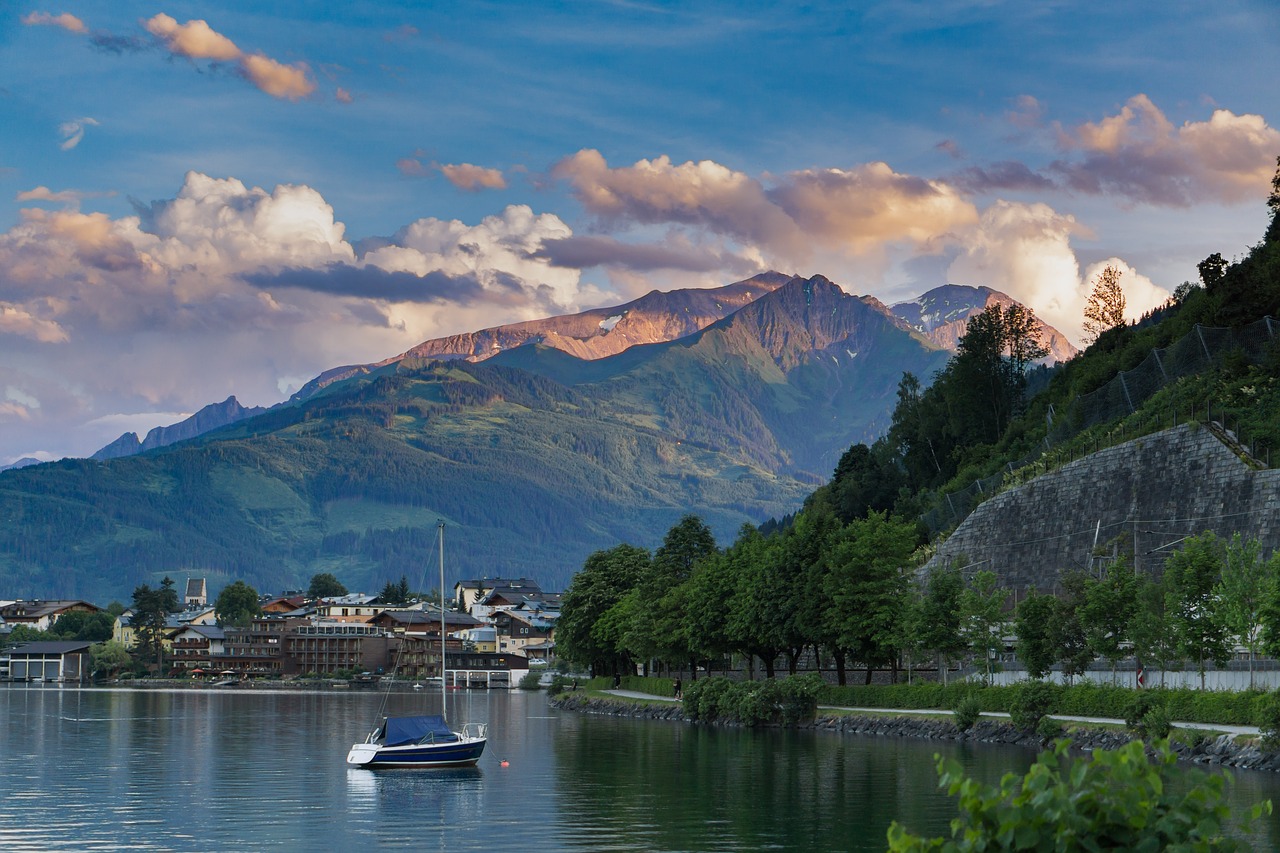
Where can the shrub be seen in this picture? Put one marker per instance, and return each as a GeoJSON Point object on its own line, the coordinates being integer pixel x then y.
{"type": "Point", "coordinates": [558, 684]}
{"type": "Point", "coordinates": [775, 700]}
{"type": "Point", "coordinates": [1155, 725]}
{"type": "Point", "coordinates": [1032, 701]}
{"type": "Point", "coordinates": [1114, 798]}
{"type": "Point", "coordinates": [1139, 706]}
{"type": "Point", "coordinates": [1048, 728]}
{"type": "Point", "coordinates": [967, 712]}
{"type": "Point", "coordinates": [1269, 720]}
{"type": "Point", "coordinates": [532, 680]}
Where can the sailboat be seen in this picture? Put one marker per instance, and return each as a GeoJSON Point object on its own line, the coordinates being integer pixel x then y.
{"type": "Point", "coordinates": [423, 741]}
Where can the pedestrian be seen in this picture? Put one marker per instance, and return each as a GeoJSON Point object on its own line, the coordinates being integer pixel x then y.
{"type": "Point", "coordinates": [678, 693]}
{"type": "Point", "coordinates": [617, 681]}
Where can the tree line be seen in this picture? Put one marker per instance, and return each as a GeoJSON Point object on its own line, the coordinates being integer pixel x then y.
{"type": "Point", "coordinates": [852, 595]}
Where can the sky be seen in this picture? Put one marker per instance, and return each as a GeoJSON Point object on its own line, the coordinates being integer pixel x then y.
{"type": "Point", "coordinates": [206, 199]}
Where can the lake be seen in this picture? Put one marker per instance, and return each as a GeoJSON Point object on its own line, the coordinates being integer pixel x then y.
{"type": "Point", "coordinates": [250, 769]}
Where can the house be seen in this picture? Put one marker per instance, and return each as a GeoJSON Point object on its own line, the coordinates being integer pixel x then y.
{"type": "Point", "coordinates": [519, 627]}
{"type": "Point", "coordinates": [356, 607]}
{"type": "Point", "coordinates": [122, 632]}
{"type": "Point", "coordinates": [41, 615]}
{"type": "Point", "coordinates": [194, 646]}
{"type": "Point", "coordinates": [423, 622]}
{"type": "Point", "coordinates": [468, 593]}
{"type": "Point", "coordinates": [197, 593]}
{"type": "Point", "coordinates": [60, 660]}
{"type": "Point", "coordinates": [282, 604]}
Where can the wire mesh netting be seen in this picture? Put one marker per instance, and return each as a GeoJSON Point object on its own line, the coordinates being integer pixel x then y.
{"type": "Point", "coordinates": [1200, 349]}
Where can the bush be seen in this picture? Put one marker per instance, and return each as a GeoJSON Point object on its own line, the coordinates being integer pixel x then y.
{"type": "Point", "coordinates": [558, 684]}
{"type": "Point", "coordinates": [1115, 798]}
{"type": "Point", "coordinates": [532, 680]}
{"type": "Point", "coordinates": [1140, 705]}
{"type": "Point", "coordinates": [1155, 725]}
{"type": "Point", "coordinates": [1048, 728]}
{"type": "Point", "coordinates": [1268, 709]}
{"type": "Point", "coordinates": [788, 701]}
{"type": "Point", "coordinates": [1032, 701]}
{"type": "Point", "coordinates": [967, 712]}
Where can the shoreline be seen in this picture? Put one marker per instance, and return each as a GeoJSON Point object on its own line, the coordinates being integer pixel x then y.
{"type": "Point", "coordinates": [1221, 751]}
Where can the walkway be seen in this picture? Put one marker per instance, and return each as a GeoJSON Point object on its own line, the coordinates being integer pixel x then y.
{"type": "Point", "coordinates": [936, 712]}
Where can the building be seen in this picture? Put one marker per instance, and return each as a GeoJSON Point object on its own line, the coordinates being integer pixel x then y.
{"type": "Point", "coordinates": [468, 593]}
{"type": "Point", "coordinates": [41, 615]}
{"type": "Point", "coordinates": [60, 660]}
{"type": "Point", "coordinates": [356, 607]}
{"type": "Point", "coordinates": [519, 628]}
{"type": "Point", "coordinates": [197, 593]}
{"type": "Point", "coordinates": [328, 647]}
{"type": "Point", "coordinates": [195, 646]}
{"type": "Point", "coordinates": [258, 649]}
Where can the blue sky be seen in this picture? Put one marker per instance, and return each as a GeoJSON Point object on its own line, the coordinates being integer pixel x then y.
{"type": "Point", "coordinates": [204, 199]}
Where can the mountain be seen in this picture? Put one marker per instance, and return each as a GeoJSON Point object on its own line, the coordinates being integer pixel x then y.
{"type": "Point", "coordinates": [21, 463]}
{"type": "Point", "coordinates": [209, 418]}
{"type": "Point", "coordinates": [534, 458]}
{"type": "Point", "coordinates": [601, 332]}
{"type": "Point", "coordinates": [941, 315]}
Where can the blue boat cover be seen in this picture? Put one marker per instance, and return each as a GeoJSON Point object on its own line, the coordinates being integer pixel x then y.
{"type": "Point", "coordinates": [402, 730]}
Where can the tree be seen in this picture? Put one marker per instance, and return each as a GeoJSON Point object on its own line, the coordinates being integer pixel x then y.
{"type": "Point", "coordinates": [151, 608]}
{"type": "Point", "coordinates": [108, 658]}
{"type": "Point", "coordinates": [81, 625]}
{"type": "Point", "coordinates": [982, 617]}
{"type": "Point", "coordinates": [588, 632]}
{"type": "Point", "coordinates": [237, 605]}
{"type": "Point", "coordinates": [940, 615]}
{"type": "Point", "coordinates": [1273, 204]}
{"type": "Point", "coordinates": [1241, 592]}
{"type": "Point", "coordinates": [1151, 631]}
{"type": "Point", "coordinates": [1075, 650]}
{"type": "Point", "coordinates": [396, 594]}
{"type": "Point", "coordinates": [1213, 270]}
{"type": "Point", "coordinates": [1036, 625]}
{"type": "Point", "coordinates": [1107, 610]}
{"type": "Point", "coordinates": [866, 586]}
{"type": "Point", "coordinates": [1190, 577]}
{"type": "Point", "coordinates": [754, 628]}
{"type": "Point", "coordinates": [1104, 308]}
{"type": "Point", "coordinates": [325, 585]}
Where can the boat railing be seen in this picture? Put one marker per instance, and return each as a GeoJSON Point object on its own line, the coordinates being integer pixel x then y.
{"type": "Point", "coordinates": [474, 730]}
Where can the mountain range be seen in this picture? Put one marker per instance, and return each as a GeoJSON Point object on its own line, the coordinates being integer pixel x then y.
{"type": "Point", "coordinates": [537, 443]}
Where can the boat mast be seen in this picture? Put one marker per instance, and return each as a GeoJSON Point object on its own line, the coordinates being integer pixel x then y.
{"type": "Point", "coordinates": [444, 711]}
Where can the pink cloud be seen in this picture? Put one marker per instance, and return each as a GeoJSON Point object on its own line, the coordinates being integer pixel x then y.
{"type": "Point", "coordinates": [277, 79]}
{"type": "Point", "coordinates": [194, 39]}
{"type": "Point", "coordinates": [65, 20]}
{"type": "Point", "coordinates": [465, 176]}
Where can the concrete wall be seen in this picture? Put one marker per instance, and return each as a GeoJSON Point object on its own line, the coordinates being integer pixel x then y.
{"type": "Point", "coordinates": [1158, 488]}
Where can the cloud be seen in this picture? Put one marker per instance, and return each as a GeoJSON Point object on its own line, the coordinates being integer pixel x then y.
{"type": "Point", "coordinates": [197, 40]}
{"type": "Point", "coordinates": [1026, 114]}
{"type": "Point", "coordinates": [1025, 251]}
{"type": "Point", "coordinates": [465, 176]}
{"type": "Point", "coordinates": [371, 282]}
{"type": "Point", "coordinates": [675, 254]}
{"type": "Point", "coordinates": [1003, 176]}
{"type": "Point", "coordinates": [43, 193]}
{"type": "Point", "coordinates": [412, 167]}
{"type": "Point", "coordinates": [17, 321]}
{"type": "Point", "coordinates": [854, 211]}
{"type": "Point", "coordinates": [194, 39]}
{"type": "Point", "coordinates": [73, 131]}
{"type": "Point", "coordinates": [342, 96]}
{"type": "Point", "coordinates": [1140, 156]}
{"type": "Point", "coordinates": [65, 20]}
{"type": "Point", "coordinates": [277, 79]}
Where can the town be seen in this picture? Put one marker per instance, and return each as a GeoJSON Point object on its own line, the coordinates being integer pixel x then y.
{"type": "Point", "coordinates": [496, 631]}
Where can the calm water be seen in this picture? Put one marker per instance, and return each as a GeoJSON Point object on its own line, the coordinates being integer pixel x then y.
{"type": "Point", "coordinates": [253, 770]}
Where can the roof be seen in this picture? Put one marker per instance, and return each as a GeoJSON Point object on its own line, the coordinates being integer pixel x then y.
{"type": "Point", "coordinates": [196, 588]}
{"type": "Point", "coordinates": [50, 647]}
{"type": "Point", "coordinates": [37, 609]}
{"type": "Point", "coordinates": [355, 598]}
{"type": "Point", "coordinates": [211, 632]}
{"type": "Point", "coordinates": [427, 617]}
{"type": "Point", "coordinates": [525, 584]}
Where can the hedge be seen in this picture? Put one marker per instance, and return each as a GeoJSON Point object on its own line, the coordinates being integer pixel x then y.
{"type": "Point", "coordinates": [1242, 708]}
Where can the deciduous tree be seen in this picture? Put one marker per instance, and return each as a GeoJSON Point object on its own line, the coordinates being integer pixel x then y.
{"type": "Point", "coordinates": [1190, 577]}
{"type": "Point", "coordinates": [237, 605]}
{"type": "Point", "coordinates": [1104, 309]}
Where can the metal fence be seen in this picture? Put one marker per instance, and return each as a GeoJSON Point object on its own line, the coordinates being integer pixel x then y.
{"type": "Point", "coordinates": [1200, 349]}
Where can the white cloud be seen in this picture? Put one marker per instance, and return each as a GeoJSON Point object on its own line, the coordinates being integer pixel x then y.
{"type": "Point", "coordinates": [72, 132]}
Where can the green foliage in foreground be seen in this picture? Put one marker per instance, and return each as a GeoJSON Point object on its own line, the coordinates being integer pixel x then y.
{"type": "Point", "coordinates": [787, 701]}
{"type": "Point", "coordinates": [1112, 800]}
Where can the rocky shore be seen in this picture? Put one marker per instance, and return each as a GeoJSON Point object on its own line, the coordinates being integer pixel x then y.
{"type": "Point", "coordinates": [1220, 751]}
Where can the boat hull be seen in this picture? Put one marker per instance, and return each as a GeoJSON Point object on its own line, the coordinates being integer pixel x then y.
{"type": "Point", "coordinates": [461, 753]}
